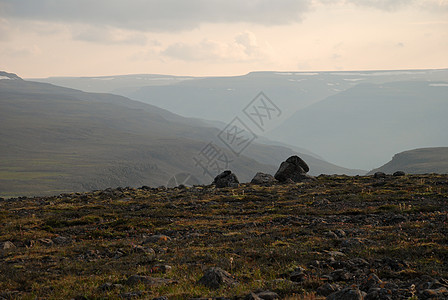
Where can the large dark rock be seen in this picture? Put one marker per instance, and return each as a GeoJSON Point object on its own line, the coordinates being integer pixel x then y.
{"type": "Point", "coordinates": [294, 169]}
{"type": "Point", "coordinates": [226, 179]}
{"type": "Point", "coordinates": [379, 175]}
{"type": "Point", "coordinates": [399, 174]}
{"type": "Point", "coordinates": [263, 179]}
{"type": "Point", "coordinates": [215, 277]}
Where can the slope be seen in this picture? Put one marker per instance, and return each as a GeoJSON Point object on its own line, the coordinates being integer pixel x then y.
{"type": "Point", "coordinates": [418, 161]}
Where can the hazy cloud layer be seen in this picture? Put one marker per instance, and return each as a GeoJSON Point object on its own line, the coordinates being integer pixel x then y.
{"type": "Point", "coordinates": [388, 5]}
{"type": "Point", "coordinates": [109, 36]}
{"type": "Point", "coordinates": [244, 47]}
{"type": "Point", "coordinates": [157, 15]}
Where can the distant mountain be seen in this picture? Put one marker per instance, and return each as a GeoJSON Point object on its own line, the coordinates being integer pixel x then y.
{"type": "Point", "coordinates": [418, 161]}
{"type": "Point", "coordinates": [55, 139]}
{"type": "Point", "coordinates": [9, 76]}
{"type": "Point", "coordinates": [364, 125]}
{"type": "Point", "coordinates": [223, 98]}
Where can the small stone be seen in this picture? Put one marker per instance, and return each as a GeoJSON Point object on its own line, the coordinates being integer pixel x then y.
{"type": "Point", "coordinates": [108, 286]}
{"type": "Point", "coordinates": [347, 294]}
{"type": "Point", "coordinates": [268, 295]}
{"type": "Point", "coordinates": [331, 235]}
{"type": "Point", "coordinates": [378, 294]}
{"type": "Point", "coordinates": [252, 296]}
{"type": "Point", "coordinates": [440, 293]}
{"type": "Point", "coordinates": [340, 233]}
{"type": "Point", "coordinates": [328, 289]}
{"type": "Point", "coordinates": [372, 281]}
{"type": "Point", "coordinates": [352, 242]}
{"type": "Point", "coordinates": [298, 275]}
{"type": "Point", "coordinates": [215, 277]}
{"type": "Point", "coordinates": [161, 268]}
{"type": "Point", "coordinates": [157, 238]}
{"type": "Point", "coordinates": [358, 262]}
{"type": "Point", "coordinates": [335, 253]}
{"type": "Point", "coordinates": [339, 275]}
{"type": "Point", "coordinates": [151, 281]}
{"type": "Point", "coordinates": [46, 242]}
{"type": "Point", "coordinates": [8, 245]}
{"type": "Point", "coordinates": [61, 240]}
{"type": "Point", "coordinates": [149, 252]}
{"type": "Point", "coordinates": [130, 295]}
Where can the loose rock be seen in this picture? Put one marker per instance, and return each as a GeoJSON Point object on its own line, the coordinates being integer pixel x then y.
{"type": "Point", "coordinates": [378, 175]}
{"type": "Point", "coordinates": [294, 169]}
{"type": "Point", "coordinates": [157, 238]}
{"type": "Point", "coordinates": [215, 277]}
{"type": "Point", "coordinates": [347, 294]}
{"type": "Point", "coordinates": [151, 281]}
{"type": "Point", "coordinates": [263, 179]}
{"type": "Point", "coordinates": [399, 173]}
{"type": "Point", "coordinates": [328, 289]}
{"type": "Point", "coordinates": [8, 245]}
{"type": "Point", "coordinates": [226, 179]}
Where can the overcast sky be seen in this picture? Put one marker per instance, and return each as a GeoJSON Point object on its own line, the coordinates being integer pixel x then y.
{"type": "Point", "coordinates": [40, 38]}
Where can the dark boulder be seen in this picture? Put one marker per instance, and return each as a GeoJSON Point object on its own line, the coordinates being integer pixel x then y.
{"type": "Point", "coordinates": [216, 277]}
{"type": "Point", "coordinates": [379, 175]}
{"type": "Point", "coordinates": [294, 169]}
{"type": "Point", "coordinates": [399, 173]}
{"type": "Point", "coordinates": [226, 179]}
{"type": "Point", "coordinates": [263, 179]}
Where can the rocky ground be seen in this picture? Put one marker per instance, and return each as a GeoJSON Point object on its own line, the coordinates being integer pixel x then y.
{"type": "Point", "coordinates": [337, 237]}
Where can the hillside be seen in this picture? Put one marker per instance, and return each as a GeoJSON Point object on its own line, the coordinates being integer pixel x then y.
{"type": "Point", "coordinates": [55, 139]}
{"type": "Point", "coordinates": [418, 161]}
{"type": "Point", "coordinates": [338, 237]}
{"type": "Point", "coordinates": [365, 125]}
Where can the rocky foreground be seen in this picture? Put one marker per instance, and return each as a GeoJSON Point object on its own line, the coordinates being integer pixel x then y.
{"type": "Point", "coordinates": [336, 237]}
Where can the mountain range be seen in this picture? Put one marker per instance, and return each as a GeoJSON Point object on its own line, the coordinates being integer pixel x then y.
{"type": "Point", "coordinates": [55, 139]}
{"type": "Point", "coordinates": [355, 119]}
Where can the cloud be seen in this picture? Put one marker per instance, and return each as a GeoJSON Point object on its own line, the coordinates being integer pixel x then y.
{"type": "Point", "coordinates": [21, 52]}
{"type": "Point", "coordinates": [109, 36]}
{"type": "Point", "coordinates": [384, 5]}
{"type": "Point", "coordinates": [157, 15]}
{"type": "Point", "coordinates": [244, 47]}
{"type": "Point", "coordinates": [5, 30]}
{"type": "Point", "coordinates": [387, 5]}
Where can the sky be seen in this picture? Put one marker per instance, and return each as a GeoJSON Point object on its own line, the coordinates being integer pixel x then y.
{"type": "Point", "coordinates": [42, 38]}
